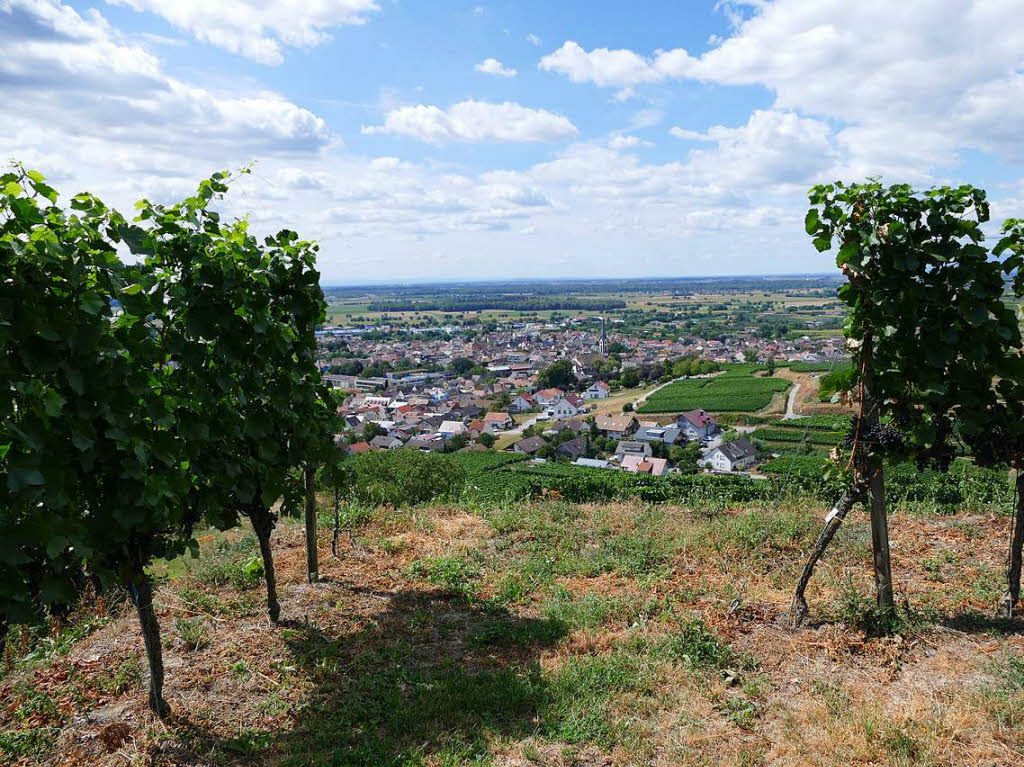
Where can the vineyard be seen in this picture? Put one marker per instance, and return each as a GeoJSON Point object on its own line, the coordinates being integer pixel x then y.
{"type": "Point", "coordinates": [735, 390]}
{"type": "Point", "coordinates": [511, 479]}
{"type": "Point", "coordinates": [817, 367]}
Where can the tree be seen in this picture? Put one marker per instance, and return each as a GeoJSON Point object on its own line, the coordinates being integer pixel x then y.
{"type": "Point", "coordinates": [915, 269]}
{"type": "Point", "coordinates": [630, 378]}
{"type": "Point", "coordinates": [372, 429]}
{"type": "Point", "coordinates": [557, 375]}
{"type": "Point", "coordinates": [486, 439]}
{"type": "Point", "coordinates": [461, 365]}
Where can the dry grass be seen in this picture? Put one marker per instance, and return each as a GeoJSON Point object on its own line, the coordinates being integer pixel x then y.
{"type": "Point", "coordinates": [552, 634]}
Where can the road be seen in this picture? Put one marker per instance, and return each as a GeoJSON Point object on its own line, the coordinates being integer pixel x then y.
{"type": "Point", "coordinates": [791, 402]}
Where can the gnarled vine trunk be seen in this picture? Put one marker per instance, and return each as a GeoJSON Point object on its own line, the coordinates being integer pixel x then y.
{"type": "Point", "coordinates": [1016, 554]}
{"type": "Point", "coordinates": [312, 559]}
{"type": "Point", "coordinates": [263, 521]}
{"type": "Point", "coordinates": [141, 589]}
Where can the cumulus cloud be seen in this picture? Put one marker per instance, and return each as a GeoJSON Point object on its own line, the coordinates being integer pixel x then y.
{"type": "Point", "coordinates": [945, 72]}
{"type": "Point", "coordinates": [258, 29]}
{"type": "Point", "coordinates": [73, 72]}
{"type": "Point", "coordinates": [620, 68]}
{"type": "Point", "coordinates": [495, 67]}
{"type": "Point", "coordinates": [475, 121]}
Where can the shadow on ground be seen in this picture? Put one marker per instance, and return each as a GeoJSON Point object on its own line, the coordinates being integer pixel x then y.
{"type": "Point", "coordinates": [435, 675]}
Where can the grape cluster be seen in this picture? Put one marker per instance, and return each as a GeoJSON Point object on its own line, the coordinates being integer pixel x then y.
{"type": "Point", "coordinates": [884, 437]}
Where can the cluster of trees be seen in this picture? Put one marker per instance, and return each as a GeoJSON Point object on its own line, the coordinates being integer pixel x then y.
{"type": "Point", "coordinates": [142, 398]}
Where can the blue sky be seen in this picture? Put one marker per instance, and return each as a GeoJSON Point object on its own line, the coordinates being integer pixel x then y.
{"type": "Point", "coordinates": [450, 140]}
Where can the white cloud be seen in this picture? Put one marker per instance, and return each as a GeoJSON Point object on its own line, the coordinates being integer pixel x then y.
{"type": "Point", "coordinates": [931, 76]}
{"type": "Point", "coordinates": [495, 67]}
{"type": "Point", "coordinates": [258, 29]}
{"type": "Point", "coordinates": [475, 121]}
{"type": "Point", "coordinates": [533, 40]}
{"type": "Point", "coordinates": [627, 142]}
{"type": "Point", "coordinates": [619, 68]}
{"type": "Point", "coordinates": [688, 135]}
{"type": "Point", "coordinates": [72, 72]}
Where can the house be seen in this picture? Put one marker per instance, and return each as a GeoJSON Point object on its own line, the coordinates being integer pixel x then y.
{"type": "Point", "coordinates": [623, 449]}
{"type": "Point", "coordinates": [573, 448]}
{"type": "Point", "coordinates": [386, 442]}
{"type": "Point", "coordinates": [358, 448]}
{"type": "Point", "coordinates": [452, 428]}
{"type": "Point", "coordinates": [529, 446]}
{"type": "Point", "coordinates": [732, 456]}
{"type": "Point", "coordinates": [636, 464]}
{"type": "Point", "coordinates": [562, 408]}
{"type": "Point", "coordinates": [576, 426]}
{"type": "Point", "coordinates": [522, 403]}
{"type": "Point", "coordinates": [597, 390]}
{"type": "Point", "coordinates": [616, 426]}
{"type": "Point", "coordinates": [697, 424]}
{"type": "Point", "coordinates": [547, 397]}
{"type": "Point", "coordinates": [652, 432]}
{"type": "Point", "coordinates": [499, 420]}
{"type": "Point", "coordinates": [426, 444]}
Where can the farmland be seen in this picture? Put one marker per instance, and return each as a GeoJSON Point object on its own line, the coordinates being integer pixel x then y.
{"type": "Point", "coordinates": [738, 389]}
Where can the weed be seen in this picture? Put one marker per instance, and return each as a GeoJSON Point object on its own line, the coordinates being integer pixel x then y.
{"type": "Point", "coordinates": [127, 676]}
{"type": "Point", "coordinates": [590, 611]}
{"type": "Point", "coordinates": [699, 648]}
{"type": "Point", "coordinates": [34, 742]}
{"type": "Point", "coordinates": [192, 632]}
{"type": "Point", "coordinates": [451, 572]}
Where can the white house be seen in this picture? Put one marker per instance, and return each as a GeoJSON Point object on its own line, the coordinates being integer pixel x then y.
{"type": "Point", "coordinates": [451, 428]}
{"type": "Point", "coordinates": [697, 425]}
{"type": "Point", "coordinates": [499, 420]}
{"type": "Point", "coordinates": [562, 408]}
{"type": "Point", "coordinates": [547, 397]}
{"type": "Point", "coordinates": [521, 404]}
{"type": "Point", "coordinates": [597, 390]}
{"type": "Point", "coordinates": [732, 456]}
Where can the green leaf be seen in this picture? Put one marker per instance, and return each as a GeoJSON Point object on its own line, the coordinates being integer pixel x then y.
{"type": "Point", "coordinates": [13, 189]}
{"type": "Point", "coordinates": [92, 303]}
{"type": "Point", "coordinates": [811, 221]}
{"type": "Point", "coordinates": [18, 478]}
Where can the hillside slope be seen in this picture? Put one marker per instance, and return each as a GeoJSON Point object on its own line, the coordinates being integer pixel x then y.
{"type": "Point", "coordinates": [548, 634]}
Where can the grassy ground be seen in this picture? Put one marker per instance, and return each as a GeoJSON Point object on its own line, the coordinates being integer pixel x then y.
{"type": "Point", "coordinates": [547, 634]}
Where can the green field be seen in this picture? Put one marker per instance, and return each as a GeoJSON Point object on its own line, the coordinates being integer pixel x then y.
{"type": "Point", "coordinates": [735, 390]}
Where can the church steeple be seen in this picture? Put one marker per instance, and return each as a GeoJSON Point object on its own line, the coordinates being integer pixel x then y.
{"type": "Point", "coordinates": [604, 340]}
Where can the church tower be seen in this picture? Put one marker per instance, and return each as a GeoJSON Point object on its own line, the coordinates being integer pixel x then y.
{"type": "Point", "coordinates": [604, 340]}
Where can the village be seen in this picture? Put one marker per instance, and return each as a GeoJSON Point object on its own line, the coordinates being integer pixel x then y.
{"type": "Point", "coordinates": [551, 392]}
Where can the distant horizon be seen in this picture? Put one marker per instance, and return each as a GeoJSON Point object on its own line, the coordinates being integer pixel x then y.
{"type": "Point", "coordinates": [576, 280]}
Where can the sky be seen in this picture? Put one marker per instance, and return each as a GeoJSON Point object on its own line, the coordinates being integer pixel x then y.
{"type": "Point", "coordinates": [448, 140]}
